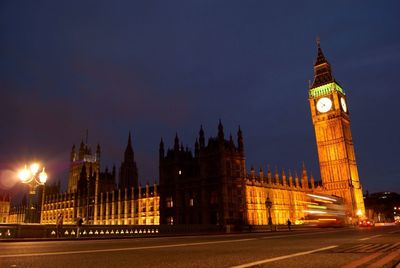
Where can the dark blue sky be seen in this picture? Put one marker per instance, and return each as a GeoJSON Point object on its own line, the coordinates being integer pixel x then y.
{"type": "Point", "coordinates": [160, 67]}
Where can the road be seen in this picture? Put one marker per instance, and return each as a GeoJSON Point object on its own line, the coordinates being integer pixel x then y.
{"type": "Point", "coordinates": [342, 247]}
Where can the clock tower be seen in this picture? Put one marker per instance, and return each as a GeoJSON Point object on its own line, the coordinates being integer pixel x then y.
{"type": "Point", "coordinates": [331, 119]}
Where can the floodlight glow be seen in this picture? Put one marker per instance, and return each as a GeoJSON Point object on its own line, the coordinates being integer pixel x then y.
{"type": "Point", "coordinates": [34, 168]}
{"type": "Point", "coordinates": [24, 175]}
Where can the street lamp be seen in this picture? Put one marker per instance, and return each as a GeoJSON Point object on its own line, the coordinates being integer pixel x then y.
{"type": "Point", "coordinates": [33, 178]}
{"type": "Point", "coordinates": [268, 204]}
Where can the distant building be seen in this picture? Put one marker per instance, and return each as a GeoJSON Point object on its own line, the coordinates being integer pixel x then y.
{"type": "Point", "coordinates": [383, 206]}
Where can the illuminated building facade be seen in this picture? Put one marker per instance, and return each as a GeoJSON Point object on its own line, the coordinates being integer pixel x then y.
{"type": "Point", "coordinates": [331, 119]}
{"type": "Point", "coordinates": [93, 195]}
{"type": "Point", "coordinates": [4, 208]}
{"type": "Point", "coordinates": [82, 158]}
{"type": "Point", "coordinates": [288, 195]}
{"type": "Point", "coordinates": [211, 186]}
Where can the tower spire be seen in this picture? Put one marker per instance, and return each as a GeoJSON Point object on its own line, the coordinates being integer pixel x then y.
{"type": "Point", "coordinates": [129, 139]}
{"type": "Point", "coordinates": [129, 155]}
{"type": "Point", "coordinates": [201, 137]}
{"type": "Point", "coordinates": [322, 68]}
{"type": "Point", "coordinates": [176, 143]}
{"type": "Point", "coordinates": [240, 140]}
{"type": "Point", "coordinates": [220, 131]}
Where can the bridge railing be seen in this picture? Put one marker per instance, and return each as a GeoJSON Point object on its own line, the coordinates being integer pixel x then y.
{"type": "Point", "coordinates": [38, 231]}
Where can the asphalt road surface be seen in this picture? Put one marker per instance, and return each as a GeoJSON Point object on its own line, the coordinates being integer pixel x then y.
{"type": "Point", "coordinates": [329, 247]}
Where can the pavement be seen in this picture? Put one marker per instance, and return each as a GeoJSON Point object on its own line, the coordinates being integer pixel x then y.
{"type": "Point", "coordinates": [327, 247]}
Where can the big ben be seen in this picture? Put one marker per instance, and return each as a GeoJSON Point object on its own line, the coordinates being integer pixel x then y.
{"type": "Point", "coordinates": [331, 119]}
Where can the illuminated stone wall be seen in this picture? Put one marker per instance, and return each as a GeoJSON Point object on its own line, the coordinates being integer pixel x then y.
{"type": "Point", "coordinates": [288, 197]}
{"type": "Point", "coordinates": [111, 208]}
{"type": "Point", "coordinates": [4, 209]}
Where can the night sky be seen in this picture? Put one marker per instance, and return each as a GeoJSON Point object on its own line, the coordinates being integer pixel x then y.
{"type": "Point", "coordinates": [160, 67]}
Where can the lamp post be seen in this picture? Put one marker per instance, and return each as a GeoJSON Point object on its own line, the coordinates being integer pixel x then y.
{"type": "Point", "coordinates": [268, 204]}
{"type": "Point", "coordinates": [33, 178]}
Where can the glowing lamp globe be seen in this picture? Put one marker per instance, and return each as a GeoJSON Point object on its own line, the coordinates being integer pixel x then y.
{"type": "Point", "coordinates": [42, 177]}
{"type": "Point", "coordinates": [24, 175]}
{"type": "Point", "coordinates": [34, 168]}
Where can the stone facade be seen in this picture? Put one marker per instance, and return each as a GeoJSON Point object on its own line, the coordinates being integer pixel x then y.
{"type": "Point", "coordinates": [94, 196]}
{"type": "Point", "coordinates": [4, 208]}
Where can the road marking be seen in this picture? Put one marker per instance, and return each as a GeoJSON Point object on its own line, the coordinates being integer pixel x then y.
{"type": "Point", "coordinates": [394, 232]}
{"type": "Point", "coordinates": [283, 257]}
{"type": "Point", "coordinates": [385, 260]}
{"type": "Point", "coordinates": [366, 238]}
{"type": "Point", "coordinates": [363, 260]}
{"type": "Point", "coordinates": [357, 248]}
{"type": "Point", "coordinates": [393, 246]}
{"type": "Point", "coordinates": [312, 233]}
{"type": "Point", "coordinates": [124, 249]}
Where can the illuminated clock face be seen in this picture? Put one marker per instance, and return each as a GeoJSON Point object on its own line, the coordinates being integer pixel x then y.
{"type": "Point", "coordinates": [343, 103]}
{"type": "Point", "coordinates": [324, 104]}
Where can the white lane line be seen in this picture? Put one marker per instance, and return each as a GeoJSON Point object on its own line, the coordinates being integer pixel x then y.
{"type": "Point", "coordinates": [123, 249]}
{"type": "Point", "coordinates": [312, 233]}
{"type": "Point", "coordinates": [366, 238]}
{"type": "Point", "coordinates": [283, 257]}
{"type": "Point", "coordinates": [394, 232]}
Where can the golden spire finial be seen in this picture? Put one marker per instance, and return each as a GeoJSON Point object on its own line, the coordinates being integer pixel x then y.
{"type": "Point", "coordinates": [318, 41]}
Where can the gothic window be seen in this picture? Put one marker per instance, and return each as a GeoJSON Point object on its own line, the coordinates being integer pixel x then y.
{"type": "Point", "coordinates": [170, 202]}
{"type": "Point", "coordinates": [170, 220]}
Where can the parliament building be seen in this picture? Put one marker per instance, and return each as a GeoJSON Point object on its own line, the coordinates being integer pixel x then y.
{"type": "Point", "coordinates": [211, 185]}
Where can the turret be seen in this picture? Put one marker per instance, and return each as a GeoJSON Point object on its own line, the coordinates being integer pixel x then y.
{"type": "Point", "coordinates": [283, 177]}
{"type": "Point", "coordinates": [304, 177]}
{"type": "Point", "coordinates": [161, 149]}
{"type": "Point", "coordinates": [261, 174]}
{"type": "Point", "coordinates": [269, 175]}
{"type": "Point", "coordinates": [201, 137]}
{"type": "Point", "coordinates": [290, 179]}
{"type": "Point", "coordinates": [252, 173]}
{"type": "Point", "coordinates": [276, 176]}
{"type": "Point", "coordinates": [129, 155]}
{"type": "Point", "coordinates": [176, 143]}
{"type": "Point", "coordinates": [240, 140]}
{"type": "Point", "coordinates": [73, 153]}
{"type": "Point", "coordinates": [155, 187]}
{"type": "Point", "coordinates": [231, 143]}
{"type": "Point", "coordinates": [220, 131]}
{"type": "Point", "coordinates": [296, 179]}
{"type": "Point", "coordinates": [312, 181]}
